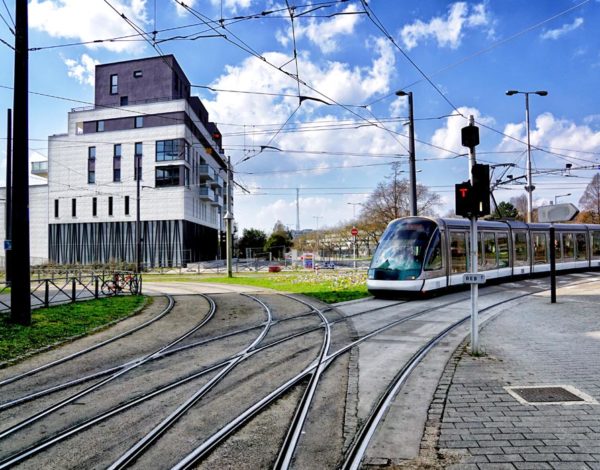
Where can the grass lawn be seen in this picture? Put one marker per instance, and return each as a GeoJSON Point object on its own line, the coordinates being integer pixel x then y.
{"type": "Point", "coordinates": [58, 323]}
{"type": "Point", "coordinates": [328, 286]}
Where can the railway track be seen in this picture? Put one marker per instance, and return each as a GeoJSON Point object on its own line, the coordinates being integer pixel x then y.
{"type": "Point", "coordinates": [300, 351]}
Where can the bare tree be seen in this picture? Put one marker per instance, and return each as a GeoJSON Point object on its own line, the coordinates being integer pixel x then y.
{"type": "Point", "coordinates": [520, 203]}
{"type": "Point", "coordinates": [391, 199]}
{"type": "Point", "coordinates": [590, 200]}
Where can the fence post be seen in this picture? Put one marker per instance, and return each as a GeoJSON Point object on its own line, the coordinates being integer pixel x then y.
{"type": "Point", "coordinates": [96, 286]}
{"type": "Point", "coordinates": [46, 295]}
{"type": "Point", "coordinates": [73, 289]}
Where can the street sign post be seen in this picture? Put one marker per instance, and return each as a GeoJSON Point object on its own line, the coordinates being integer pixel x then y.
{"type": "Point", "coordinates": [354, 233]}
{"type": "Point", "coordinates": [557, 213]}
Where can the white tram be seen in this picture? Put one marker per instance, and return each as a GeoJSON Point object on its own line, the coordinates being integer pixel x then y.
{"type": "Point", "coordinates": [420, 254]}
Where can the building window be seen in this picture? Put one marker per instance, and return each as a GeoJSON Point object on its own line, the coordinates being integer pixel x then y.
{"type": "Point", "coordinates": [114, 84]}
{"type": "Point", "coordinates": [138, 122]}
{"type": "Point", "coordinates": [91, 165]}
{"type": "Point", "coordinates": [137, 161]}
{"type": "Point", "coordinates": [124, 100]}
{"type": "Point", "coordinates": [56, 208]}
{"type": "Point", "coordinates": [99, 126]}
{"type": "Point", "coordinates": [74, 207]}
{"type": "Point", "coordinates": [126, 205]}
{"type": "Point", "coordinates": [170, 150]}
{"type": "Point", "coordinates": [110, 205]}
{"type": "Point", "coordinates": [94, 206]}
{"type": "Point", "coordinates": [137, 74]}
{"type": "Point", "coordinates": [167, 176]}
{"type": "Point", "coordinates": [117, 163]}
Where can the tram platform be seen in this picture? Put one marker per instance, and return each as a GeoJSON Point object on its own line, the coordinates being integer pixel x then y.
{"type": "Point", "coordinates": [529, 401]}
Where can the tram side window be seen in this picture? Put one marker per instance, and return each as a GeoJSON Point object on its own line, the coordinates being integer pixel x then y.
{"type": "Point", "coordinates": [458, 252]}
{"type": "Point", "coordinates": [595, 245]}
{"type": "Point", "coordinates": [502, 245]}
{"type": "Point", "coordinates": [540, 251]}
{"type": "Point", "coordinates": [434, 257]}
{"type": "Point", "coordinates": [581, 245]}
{"type": "Point", "coordinates": [489, 251]}
{"type": "Point", "coordinates": [521, 249]}
{"type": "Point", "coordinates": [568, 246]}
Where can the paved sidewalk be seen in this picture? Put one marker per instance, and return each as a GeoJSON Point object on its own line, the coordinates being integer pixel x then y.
{"type": "Point", "coordinates": [480, 425]}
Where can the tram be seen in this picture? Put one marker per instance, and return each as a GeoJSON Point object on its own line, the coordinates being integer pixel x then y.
{"type": "Point", "coordinates": [421, 254]}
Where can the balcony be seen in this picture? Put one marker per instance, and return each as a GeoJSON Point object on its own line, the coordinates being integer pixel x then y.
{"type": "Point", "coordinates": [206, 194]}
{"type": "Point", "coordinates": [206, 172]}
{"type": "Point", "coordinates": [217, 200]}
{"type": "Point", "coordinates": [217, 182]}
{"type": "Point", "coordinates": [39, 169]}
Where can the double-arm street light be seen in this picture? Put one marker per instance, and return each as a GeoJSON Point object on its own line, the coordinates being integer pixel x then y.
{"type": "Point", "coordinates": [530, 187]}
{"type": "Point", "coordinates": [560, 195]}
{"type": "Point", "coordinates": [411, 152]}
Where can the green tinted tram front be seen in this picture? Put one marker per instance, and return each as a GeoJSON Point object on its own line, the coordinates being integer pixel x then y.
{"type": "Point", "coordinates": [402, 250]}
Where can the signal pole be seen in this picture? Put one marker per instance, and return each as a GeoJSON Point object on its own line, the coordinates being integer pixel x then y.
{"type": "Point", "coordinates": [20, 296]}
{"type": "Point", "coordinates": [8, 236]}
{"type": "Point", "coordinates": [468, 140]}
{"type": "Point", "coordinates": [228, 219]}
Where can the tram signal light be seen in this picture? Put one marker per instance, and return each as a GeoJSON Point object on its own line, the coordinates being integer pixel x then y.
{"type": "Point", "coordinates": [473, 200]}
{"type": "Point", "coordinates": [481, 189]}
{"type": "Point", "coordinates": [464, 196]}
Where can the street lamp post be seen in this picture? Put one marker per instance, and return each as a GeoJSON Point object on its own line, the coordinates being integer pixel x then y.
{"type": "Point", "coordinates": [317, 217]}
{"type": "Point", "coordinates": [411, 152]}
{"type": "Point", "coordinates": [560, 195]}
{"type": "Point", "coordinates": [530, 187]}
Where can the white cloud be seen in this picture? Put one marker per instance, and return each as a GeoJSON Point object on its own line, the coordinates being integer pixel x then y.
{"type": "Point", "coordinates": [233, 5]}
{"type": "Point", "coordinates": [83, 70]}
{"type": "Point", "coordinates": [324, 34]}
{"type": "Point", "coordinates": [564, 29]}
{"type": "Point", "coordinates": [561, 135]}
{"type": "Point", "coordinates": [448, 32]}
{"type": "Point", "coordinates": [89, 20]}
{"type": "Point", "coordinates": [448, 137]}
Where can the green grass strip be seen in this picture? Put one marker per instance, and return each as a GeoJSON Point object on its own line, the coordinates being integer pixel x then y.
{"type": "Point", "coordinates": [59, 323]}
{"type": "Point", "coordinates": [327, 286]}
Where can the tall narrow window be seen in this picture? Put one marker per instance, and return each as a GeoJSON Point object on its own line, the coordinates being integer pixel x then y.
{"type": "Point", "coordinates": [91, 165]}
{"type": "Point", "coordinates": [56, 208]}
{"type": "Point", "coordinates": [117, 163]}
{"type": "Point", "coordinates": [94, 206]}
{"type": "Point", "coordinates": [74, 207]}
{"type": "Point", "coordinates": [99, 126]}
{"type": "Point", "coordinates": [110, 205]}
{"type": "Point", "coordinates": [114, 84]}
{"type": "Point", "coordinates": [137, 161]}
{"type": "Point", "coordinates": [126, 205]}
{"type": "Point", "coordinates": [138, 122]}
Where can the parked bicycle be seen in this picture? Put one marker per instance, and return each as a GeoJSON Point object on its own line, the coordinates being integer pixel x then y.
{"type": "Point", "coordinates": [119, 283]}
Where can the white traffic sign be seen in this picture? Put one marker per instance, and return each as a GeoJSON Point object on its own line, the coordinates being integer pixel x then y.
{"type": "Point", "coordinates": [474, 278]}
{"type": "Point", "coordinates": [557, 213]}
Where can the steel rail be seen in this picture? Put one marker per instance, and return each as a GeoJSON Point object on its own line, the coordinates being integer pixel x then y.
{"type": "Point", "coordinates": [358, 447]}
{"type": "Point", "coordinates": [134, 452]}
{"type": "Point", "coordinates": [132, 366]}
{"type": "Point", "coordinates": [28, 373]}
{"type": "Point", "coordinates": [293, 435]}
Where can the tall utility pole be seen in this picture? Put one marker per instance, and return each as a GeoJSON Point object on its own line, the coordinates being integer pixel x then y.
{"type": "Point", "coordinates": [8, 235]}
{"type": "Point", "coordinates": [473, 257]}
{"type": "Point", "coordinates": [138, 211]}
{"type": "Point", "coordinates": [530, 187]}
{"type": "Point", "coordinates": [20, 296]}
{"type": "Point", "coordinates": [317, 217]}
{"type": "Point", "coordinates": [411, 152]}
{"type": "Point", "coordinates": [298, 210]}
{"type": "Point", "coordinates": [229, 219]}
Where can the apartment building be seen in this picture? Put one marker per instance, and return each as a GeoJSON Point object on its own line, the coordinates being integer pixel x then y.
{"type": "Point", "coordinates": [144, 131]}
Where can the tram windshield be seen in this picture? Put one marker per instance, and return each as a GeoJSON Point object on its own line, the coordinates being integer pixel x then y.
{"type": "Point", "coordinates": [401, 250]}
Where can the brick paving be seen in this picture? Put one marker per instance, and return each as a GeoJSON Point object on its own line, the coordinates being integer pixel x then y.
{"type": "Point", "coordinates": [535, 343]}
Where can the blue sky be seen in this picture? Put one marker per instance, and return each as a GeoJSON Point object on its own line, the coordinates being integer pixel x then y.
{"type": "Point", "coordinates": [458, 59]}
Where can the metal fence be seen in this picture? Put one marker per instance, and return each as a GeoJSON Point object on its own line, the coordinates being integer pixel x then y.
{"type": "Point", "coordinates": [66, 287]}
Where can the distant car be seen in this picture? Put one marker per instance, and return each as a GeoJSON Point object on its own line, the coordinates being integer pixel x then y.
{"type": "Point", "coordinates": [326, 265]}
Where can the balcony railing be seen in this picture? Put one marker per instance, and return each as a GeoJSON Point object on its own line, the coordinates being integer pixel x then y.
{"type": "Point", "coordinates": [206, 172]}
{"type": "Point", "coordinates": [206, 193]}
{"type": "Point", "coordinates": [217, 182]}
{"type": "Point", "coordinates": [39, 168]}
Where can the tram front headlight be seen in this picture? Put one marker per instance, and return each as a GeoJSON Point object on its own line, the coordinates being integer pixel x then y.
{"type": "Point", "coordinates": [371, 274]}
